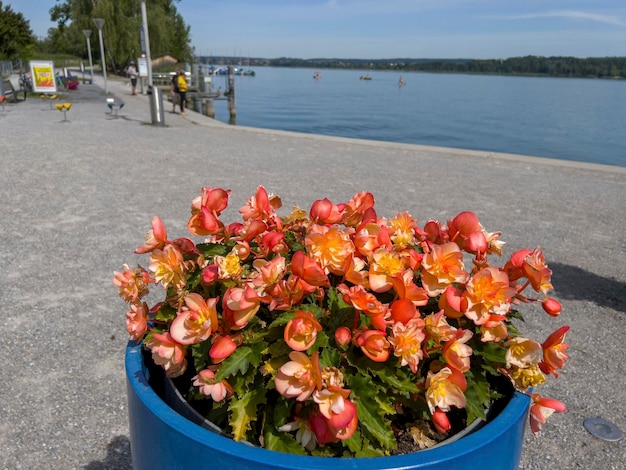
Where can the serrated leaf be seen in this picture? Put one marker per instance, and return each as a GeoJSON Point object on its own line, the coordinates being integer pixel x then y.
{"type": "Point", "coordinates": [200, 354]}
{"type": "Point", "coordinates": [282, 442]}
{"type": "Point", "coordinates": [477, 396]}
{"type": "Point", "coordinates": [239, 361]}
{"type": "Point", "coordinates": [243, 411]}
{"type": "Point", "coordinates": [213, 249]}
{"type": "Point", "coordinates": [370, 413]}
{"type": "Point", "coordinates": [165, 313]}
{"type": "Point", "coordinates": [492, 352]}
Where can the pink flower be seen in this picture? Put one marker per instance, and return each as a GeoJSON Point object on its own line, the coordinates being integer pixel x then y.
{"type": "Point", "coordinates": [155, 238]}
{"type": "Point", "coordinates": [137, 320]}
{"type": "Point", "coordinates": [241, 304]}
{"type": "Point", "coordinates": [168, 354]}
{"type": "Point", "coordinates": [133, 285]}
{"type": "Point", "coordinates": [541, 409]}
{"type": "Point", "coordinates": [325, 212]}
{"type": "Point", "coordinates": [299, 377]}
{"type": "Point", "coordinates": [196, 321]}
{"type": "Point", "coordinates": [222, 347]}
{"type": "Point", "coordinates": [406, 340]}
{"type": "Point", "coordinates": [205, 381]}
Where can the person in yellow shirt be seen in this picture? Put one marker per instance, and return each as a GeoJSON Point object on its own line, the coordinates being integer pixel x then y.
{"type": "Point", "coordinates": [181, 83]}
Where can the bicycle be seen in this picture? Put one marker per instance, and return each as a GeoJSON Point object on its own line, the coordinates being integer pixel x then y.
{"type": "Point", "coordinates": [25, 84]}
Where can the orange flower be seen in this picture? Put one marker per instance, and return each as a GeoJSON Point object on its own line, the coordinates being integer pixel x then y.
{"type": "Point", "coordinates": [537, 271]}
{"type": "Point", "coordinates": [359, 209]}
{"type": "Point", "coordinates": [155, 238]}
{"type": "Point", "coordinates": [362, 300]}
{"type": "Point", "coordinates": [223, 346]}
{"type": "Point", "coordinates": [442, 392]}
{"type": "Point", "coordinates": [487, 292]}
{"type": "Point", "coordinates": [456, 353]}
{"type": "Point", "coordinates": [260, 206]}
{"type": "Point", "coordinates": [301, 331]}
{"type": "Point", "coordinates": [370, 237]}
{"type": "Point", "coordinates": [405, 288]}
{"type": "Point", "coordinates": [133, 285]}
{"type": "Point", "coordinates": [205, 211]}
{"type": "Point", "coordinates": [402, 230]}
{"type": "Point", "coordinates": [330, 247]}
{"type": "Point", "coordinates": [289, 292]}
{"type": "Point", "coordinates": [168, 267]}
{"type": "Point", "coordinates": [309, 270]}
{"type": "Point", "coordinates": [442, 267]}
{"type": "Point", "coordinates": [554, 356]}
{"type": "Point", "coordinates": [438, 328]}
{"type": "Point", "coordinates": [374, 344]}
{"type": "Point", "coordinates": [494, 329]}
{"type": "Point", "coordinates": [406, 340]}
{"type": "Point", "coordinates": [196, 321]}
{"type": "Point", "coordinates": [325, 212]}
{"type": "Point", "coordinates": [384, 266]}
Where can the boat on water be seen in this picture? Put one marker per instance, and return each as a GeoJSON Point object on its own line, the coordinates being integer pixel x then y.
{"type": "Point", "coordinates": [365, 77]}
{"type": "Point", "coordinates": [317, 76]}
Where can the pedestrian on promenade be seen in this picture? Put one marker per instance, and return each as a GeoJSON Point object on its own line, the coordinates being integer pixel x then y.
{"type": "Point", "coordinates": [132, 74]}
{"type": "Point", "coordinates": [181, 82]}
{"type": "Point", "coordinates": [174, 90]}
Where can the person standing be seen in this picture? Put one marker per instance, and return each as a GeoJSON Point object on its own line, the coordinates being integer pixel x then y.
{"type": "Point", "coordinates": [132, 74]}
{"type": "Point", "coordinates": [174, 90]}
{"type": "Point", "coordinates": [182, 90]}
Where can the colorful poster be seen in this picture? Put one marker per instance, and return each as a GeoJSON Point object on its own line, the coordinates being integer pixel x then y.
{"type": "Point", "coordinates": [42, 73]}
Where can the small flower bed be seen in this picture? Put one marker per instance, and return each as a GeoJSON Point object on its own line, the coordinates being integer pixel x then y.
{"type": "Point", "coordinates": [329, 332]}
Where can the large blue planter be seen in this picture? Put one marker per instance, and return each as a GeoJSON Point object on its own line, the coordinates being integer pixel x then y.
{"type": "Point", "coordinates": [163, 439]}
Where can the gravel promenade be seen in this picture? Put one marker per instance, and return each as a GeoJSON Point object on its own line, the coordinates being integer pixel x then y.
{"type": "Point", "coordinates": [77, 198]}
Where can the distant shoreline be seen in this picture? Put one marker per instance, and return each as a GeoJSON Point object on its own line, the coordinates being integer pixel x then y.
{"type": "Point", "coordinates": [613, 68]}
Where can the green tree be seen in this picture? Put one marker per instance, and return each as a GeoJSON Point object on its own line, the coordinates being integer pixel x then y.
{"type": "Point", "coordinates": [16, 37]}
{"type": "Point", "coordinates": [122, 21]}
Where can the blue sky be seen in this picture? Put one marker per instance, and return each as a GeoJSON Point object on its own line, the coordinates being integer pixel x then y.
{"type": "Point", "coordinates": [372, 29]}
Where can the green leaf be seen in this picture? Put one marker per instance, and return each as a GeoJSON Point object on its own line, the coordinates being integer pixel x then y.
{"type": "Point", "coordinates": [240, 360]}
{"type": "Point", "coordinates": [477, 396]}
{"type": "Point", "coordinates": [200, 354]}
{"type": "Point", "coordinates": [165, 314]}
{"type": "Point", "coordinates": [371, 415]}
{"type": "Point", "coordinates": [282, 442]}
{"type": "Point", "coordinates": [213, 249]}
{"type": "Point", "coordinates": [492, 352]}
{"type": "Point", "coordinates": [243, 409]}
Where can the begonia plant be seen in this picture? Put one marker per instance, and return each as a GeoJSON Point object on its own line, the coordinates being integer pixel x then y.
{"type": "Point", "coordinates": [330, 332]}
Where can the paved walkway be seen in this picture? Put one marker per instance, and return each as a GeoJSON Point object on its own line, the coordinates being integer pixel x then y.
{"type": "Point", "coordinates": [77, 197]}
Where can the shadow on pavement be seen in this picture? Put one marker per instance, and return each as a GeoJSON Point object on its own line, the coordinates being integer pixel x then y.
{"type": "Point", "coordinates": [118, 456]}
{"type": "Point", "coordinates": [574, 283]}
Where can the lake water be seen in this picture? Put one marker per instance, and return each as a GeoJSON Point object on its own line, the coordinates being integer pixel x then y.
{"type": "Point", "coordinates": [563, 118]}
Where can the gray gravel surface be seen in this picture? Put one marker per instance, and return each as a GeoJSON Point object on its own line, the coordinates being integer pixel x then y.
{"type": "Point", "coordinates": [77, 197]}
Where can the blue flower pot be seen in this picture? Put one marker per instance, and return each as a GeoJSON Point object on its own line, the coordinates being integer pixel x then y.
{"type": "Point", "coordinates": [163, 439]}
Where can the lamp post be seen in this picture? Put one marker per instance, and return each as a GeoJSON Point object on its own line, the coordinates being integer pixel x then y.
{"type": "Point", "coordinates": [144, 18]}
{"type": "Point", "coordinates": [87, 33]}
{"type": "Point", "coordinates": [99, 22]}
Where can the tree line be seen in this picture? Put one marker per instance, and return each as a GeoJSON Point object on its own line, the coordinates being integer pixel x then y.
{"type": "Point", "coordinates": [167, 30]}
{"type": "Point", "coordinates": [593, 67]}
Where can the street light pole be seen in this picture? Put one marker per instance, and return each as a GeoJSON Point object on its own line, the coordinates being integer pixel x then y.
{"type": "Point", "coordinates": [87, 33]}
{"type": "Point", "coordinates": [99, 22]}
{"type": "Point", "coordinates": [144, 18]}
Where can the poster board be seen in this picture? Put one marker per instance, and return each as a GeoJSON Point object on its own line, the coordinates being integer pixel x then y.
{"type": "Point", "coordinates": [42, 73]}
{"type": "Point", "coordinates": [142, 62]}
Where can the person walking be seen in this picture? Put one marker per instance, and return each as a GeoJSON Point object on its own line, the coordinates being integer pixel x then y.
{"type": "Point", "coordinates": [132, 74]}
{"type": "Point", "coordinates": [181, 82]}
